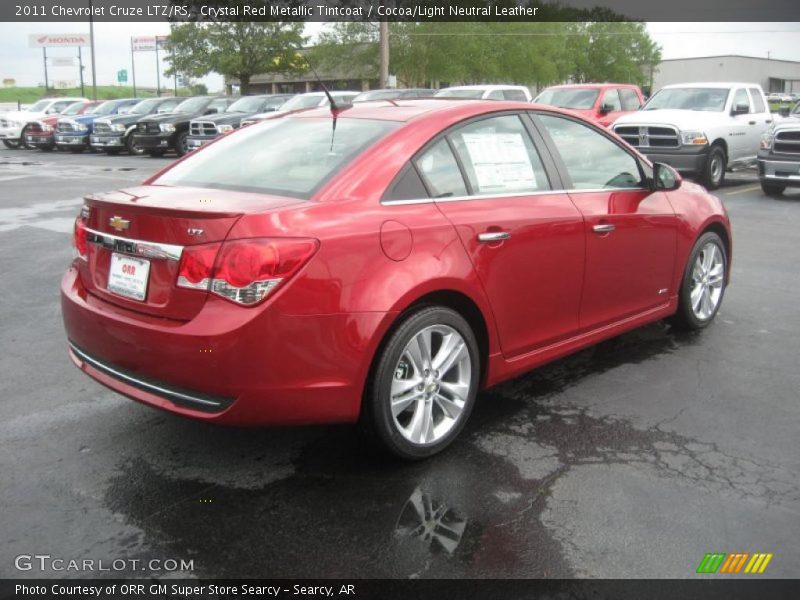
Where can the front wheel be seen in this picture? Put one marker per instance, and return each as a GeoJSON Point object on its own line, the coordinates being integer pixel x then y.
{"type": "Point", "coordinates": [424, 385]}
{"type": "Point", "coordinates": [703, 284]}
{"type": "Point", "coordinates": [714, 171]}
{"type": "Point", "coordinates": [182, 143]}
{"type": "Point", "coordinates": [132, 147]}
{"type": "Point", "coordinates": [12, 144]}
{"type": "Point", "coordinates": [771, 189]}
{"type": "Point", "coordinates": [23, 142]}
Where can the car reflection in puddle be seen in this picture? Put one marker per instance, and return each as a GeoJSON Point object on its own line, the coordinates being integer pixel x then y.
{"type": "Point", "coordinates": [432, 522]}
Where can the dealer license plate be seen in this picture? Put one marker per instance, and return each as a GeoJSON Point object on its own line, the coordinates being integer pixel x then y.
{"type": "Point", "coordinates": [128, 276]}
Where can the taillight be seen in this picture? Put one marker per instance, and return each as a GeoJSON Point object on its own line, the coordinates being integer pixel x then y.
{"type": "Point", "coordinates": [79, 237]}
{"type": "Point", "coordinates": [245, 271]}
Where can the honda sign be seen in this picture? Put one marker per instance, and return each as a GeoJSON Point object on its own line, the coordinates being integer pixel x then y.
{"type": "Point", "coordinates": [47, 40]}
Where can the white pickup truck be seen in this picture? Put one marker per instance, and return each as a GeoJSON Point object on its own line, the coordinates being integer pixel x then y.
{"type": "Point", "coordinates": [779, 157]}
{"type": "Point", "coordinates": [700, 129]}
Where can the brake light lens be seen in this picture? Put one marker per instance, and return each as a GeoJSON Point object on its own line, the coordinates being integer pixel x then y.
{"type": "Point", "coordinates": [245, 271]}
{"type": "Point", "coordinates": [79, 238]}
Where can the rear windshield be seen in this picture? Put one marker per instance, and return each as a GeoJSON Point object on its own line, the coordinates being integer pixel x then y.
{"type": "Point", "coordinates": [287, 157]}
{"type": "Point", "coordinates": [702, 99]}
{"type": "Point", "coordinates": [459, 93]}
{"type": "Point", "coordinates": [576, 99]}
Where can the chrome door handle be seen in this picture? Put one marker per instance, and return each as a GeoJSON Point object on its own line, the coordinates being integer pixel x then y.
{"type": "Point", "coordinates": [604, 228]}
{"type": "Point", "coordinates": [493, 236]}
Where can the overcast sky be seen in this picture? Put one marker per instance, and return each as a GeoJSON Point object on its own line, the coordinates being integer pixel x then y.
{"type": "Point", "coordinates": [678, 40]}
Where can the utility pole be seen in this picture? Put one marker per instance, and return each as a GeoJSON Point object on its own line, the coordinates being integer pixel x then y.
{"type": "Point", "coordinates": [80, 71]}
{"type": "Point", "coordinates": [133, 69]}
{"type": "Point", "coordinates": [44, 54]}
{"type": "Point", "coordinates": [384, 49]}
{"type": "Point", "coordinates": [91, 41]}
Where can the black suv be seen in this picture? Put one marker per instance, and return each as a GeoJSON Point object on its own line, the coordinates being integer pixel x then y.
{"type": "Point", "coordinates": [204, 129]}
{"type": "Point", "coordinates": [113, 134]}
{"type": "Point", "coordinates": [156, 135]}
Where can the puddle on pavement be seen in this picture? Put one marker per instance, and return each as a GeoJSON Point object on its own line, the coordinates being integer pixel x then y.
{"type": "Point", "coordinates": [326, 507]}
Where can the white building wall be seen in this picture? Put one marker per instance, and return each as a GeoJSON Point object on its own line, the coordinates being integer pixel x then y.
{"type": "Point", "coordinates": [728, 68]}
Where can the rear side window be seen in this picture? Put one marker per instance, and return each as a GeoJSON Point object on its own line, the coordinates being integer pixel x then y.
{"type": "Point", "coordinates": [630, 101]}
{"type": "Point", "coordinates": [499, 157]}
{"type": "Point", "coordinates": [495, 95]}
{"type": "Point", "coordinates": [219, 105]}
{"type": "Point", "coordinates": [758, 103]}
{"type": "Point", "coordinates": [440, 170]}
{"type": "Point", "coordinates": [592, 160]}
{"type": "Point", "coordinates": [516, 95]}
{"type": "Point", "coordinates": [408, 186]}
{"type": "Point", "coordinates": [611, 100]}
{"type": "Point", "coordinates": [288, 157]}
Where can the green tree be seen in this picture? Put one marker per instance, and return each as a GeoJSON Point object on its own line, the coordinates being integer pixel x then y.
{"type": "Point", "coordinates": [234, 49]}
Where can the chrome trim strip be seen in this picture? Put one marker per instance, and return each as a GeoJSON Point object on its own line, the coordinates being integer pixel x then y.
{"type": "Point", "coordinates": [514, 195]}
{"type": "Point", "coordinates": [138, 382]}
{"type": "Point", "coordinates": [134, 247]}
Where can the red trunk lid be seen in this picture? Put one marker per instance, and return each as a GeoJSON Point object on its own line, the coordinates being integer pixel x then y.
{"type": "Point", "coordinates": [167, 219]}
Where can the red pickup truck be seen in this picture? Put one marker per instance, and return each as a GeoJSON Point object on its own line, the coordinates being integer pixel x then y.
{"type": "Point", "coordinates": [602, 103]}
{"type": "Point", "coordinates": [41, 134]}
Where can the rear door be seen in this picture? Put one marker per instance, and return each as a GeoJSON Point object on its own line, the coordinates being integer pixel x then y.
{"type": "Point", "coordinates": [630, 230]}
{"type": "Point", "coordinates": [523, 235]}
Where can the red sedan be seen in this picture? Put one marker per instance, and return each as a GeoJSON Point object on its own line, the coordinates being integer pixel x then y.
{"type": "Point", "coordinates": [384, 270]}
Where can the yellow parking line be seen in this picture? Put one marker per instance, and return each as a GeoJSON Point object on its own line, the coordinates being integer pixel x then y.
{"type": "Point", "coordinates": [752, 188]}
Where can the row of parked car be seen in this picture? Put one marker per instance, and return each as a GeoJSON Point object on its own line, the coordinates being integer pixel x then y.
{"type": "Point", "coordinates": [701, 129]}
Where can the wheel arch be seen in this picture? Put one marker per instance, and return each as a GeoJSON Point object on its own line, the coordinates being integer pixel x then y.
{"type": "Point", "coordinates": [722, 232]}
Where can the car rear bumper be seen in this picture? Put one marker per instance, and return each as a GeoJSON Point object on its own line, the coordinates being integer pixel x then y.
{"type": "Point", "coordinates": [228, 365]}
{"type": "Point", "coordinates": [687, 159]}
{"type": "Point", "coordinates": [72, 140]}
{"type": "Point", "coordinates": [106, 141]}
{"type": "Point", "coordinates": [779, 171]}
{"type": "Point", "coordinates": [153, 141]}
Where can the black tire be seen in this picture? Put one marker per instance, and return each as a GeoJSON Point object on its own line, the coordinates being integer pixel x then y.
{"type": "Point", "coordinates": [156, 153]}
{"type": "Point", "coordinates": [771, 189]}
{"type": "Point", "coordinates": [376, 423]}
{"type": "Point", "coordinates": [685, 317]}
{"type": "Point", "coordinates": [131, 147]}
{"type": "Point", "coordinates": [714, 169]}
{"type": "Point", "coordinates": [11, 144]}
{"type": "Point", "coordinates": [23, 143]}
{"type": "Point", "coordinates": [181, 143]}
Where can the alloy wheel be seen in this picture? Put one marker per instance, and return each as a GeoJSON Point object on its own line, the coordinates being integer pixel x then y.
{"type": "Point", "coordinates": [708, 276]}
{"type": "Point", "coordinates": [431, 384]}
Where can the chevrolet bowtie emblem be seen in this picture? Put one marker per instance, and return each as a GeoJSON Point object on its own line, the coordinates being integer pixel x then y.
{"type": "Point", "coordinates": [119, 223]}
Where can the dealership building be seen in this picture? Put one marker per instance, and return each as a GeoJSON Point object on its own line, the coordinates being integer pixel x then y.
{"type": "Point", "coordinates": [772, 75]}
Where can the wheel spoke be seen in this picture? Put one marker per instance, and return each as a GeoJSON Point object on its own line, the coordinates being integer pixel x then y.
{"type": "Point", "coordinates": [399, 405]}
{"type": "Point", "coordinates": [709, 255]}
{"type": "Point", "coordinates": [403, 386]}
{"type": "Point", "coordinates": [455, 351]}
{"type": "Point", "coordinates": [696, 297]}
{"type": "Point", "coordinates": [451, 408]}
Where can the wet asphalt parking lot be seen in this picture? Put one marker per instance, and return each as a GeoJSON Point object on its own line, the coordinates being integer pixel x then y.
{"type": "Point", "coordinates": [630, 459]}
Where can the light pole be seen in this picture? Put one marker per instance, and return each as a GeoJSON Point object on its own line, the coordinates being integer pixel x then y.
{"type": "Point", "coordinates": [384, 49]}
{"type": "Point", "coordinates": [91, 41]}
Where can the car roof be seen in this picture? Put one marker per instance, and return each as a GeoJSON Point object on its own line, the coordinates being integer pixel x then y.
{"type": "Point", "coordinates": [488, 86]}
{"type": "Point", "coordinates": [590, 85]}
{"type": "Point", "coordinates": [407, 109]}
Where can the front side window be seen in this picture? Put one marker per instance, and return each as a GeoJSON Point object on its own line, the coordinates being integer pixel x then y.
{"type": "Point", "coordinates": [574, 98]}
{"type": "Point", "coordinates": [495, 95]}
{"type": "Point", "coordinates": [515, 95]}
{"type": "Point", "coordinates": [249, 104]}
{"type": "Point", "coordinates": [741, 100]}
{"type": "Point", "coordinates": [611, 101]}
{"type": "Point", "coordinates": [440, 170]}
{"type": "Point", "coordinates": [288, 157]}
{"type": "Point", "coordinates": [499, 157]}
{"type": "Point", "coordinates": [302, 102]}
{"type": "Point", "coordinates": [192, 105]}
{"type": "Point", "coordinates": [592, 160]}
{"type": "Point", "coordinates": [219, 105]}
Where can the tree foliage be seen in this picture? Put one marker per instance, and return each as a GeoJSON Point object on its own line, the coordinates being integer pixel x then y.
{"type": "Point", "coordinates": [528, 53]}
{"type": "Point", "coordinates": [234, 49]}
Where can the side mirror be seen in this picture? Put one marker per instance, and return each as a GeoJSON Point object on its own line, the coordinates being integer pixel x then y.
{"type": "Point", "coordinates": [665, 178]}
{"type": "Point", "coordinates": [785, 111]}
{"type": "Point", "coordinates": [740, 109]}
{"type": "Point", "coordinates": [606, 108]}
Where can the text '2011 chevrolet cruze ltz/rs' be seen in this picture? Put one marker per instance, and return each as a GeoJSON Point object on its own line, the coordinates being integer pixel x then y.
{"type": "Point", "coordinates": [382, 263]}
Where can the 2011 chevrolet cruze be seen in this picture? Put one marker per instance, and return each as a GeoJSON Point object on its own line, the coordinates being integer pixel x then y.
{"type": "Point", "coordinates": [384, 270]}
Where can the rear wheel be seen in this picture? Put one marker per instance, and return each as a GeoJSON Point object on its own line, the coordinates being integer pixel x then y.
{"type": "Point", "coordinates": [714, 170]}
{"type": "Point", "coordinates": [424, 385]}
{"type": "Point", "coordinates": [703, 284]}
{"type": "Point", "coordinates": [13, 144]}
{"type": "Point", "coordinates": [771, 189]}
